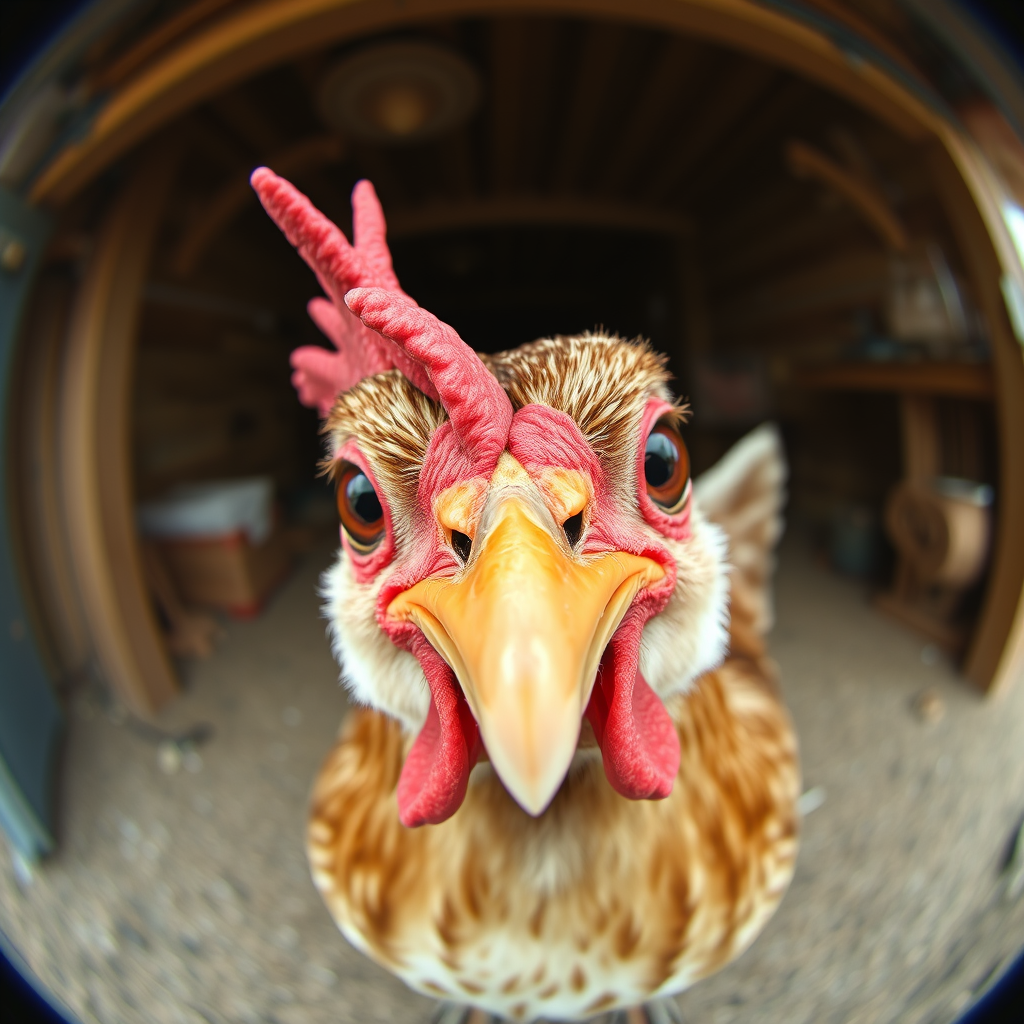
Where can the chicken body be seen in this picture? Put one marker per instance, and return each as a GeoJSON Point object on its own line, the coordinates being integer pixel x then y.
{"type": "Point", "coordinates": [601, 902]}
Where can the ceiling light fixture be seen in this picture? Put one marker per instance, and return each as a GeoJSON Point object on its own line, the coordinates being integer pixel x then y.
{"type": "Point", "coordinates": [399, 93]}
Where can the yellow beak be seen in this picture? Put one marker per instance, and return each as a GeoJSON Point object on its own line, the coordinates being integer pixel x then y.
{"type": "Point", "coordinates": [524, 627]}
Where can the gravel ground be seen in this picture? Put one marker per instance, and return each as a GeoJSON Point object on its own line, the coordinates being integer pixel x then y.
{"type": "Point", "coordinates": [180, 891]}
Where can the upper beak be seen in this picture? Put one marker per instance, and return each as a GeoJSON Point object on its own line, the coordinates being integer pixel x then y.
{"type": "Point", "coordinates": [524, 628]}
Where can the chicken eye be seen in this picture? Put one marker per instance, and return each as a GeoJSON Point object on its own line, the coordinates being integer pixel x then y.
{"type": "Point", "coordinates": [666, 467]}
{"type": "Point", "coordinates": [361, 513]}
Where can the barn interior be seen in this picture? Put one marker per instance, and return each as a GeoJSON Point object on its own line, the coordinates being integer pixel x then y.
{"type": "Point", "coordinates": [798, 257]}
{"type": "Point", "coordinates": [790, 252]}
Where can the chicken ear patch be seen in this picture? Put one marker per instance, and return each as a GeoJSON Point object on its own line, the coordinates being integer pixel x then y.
{"type": "Point", "coordinates": [435, 775]}
{"type": "Point", "coordinates": [638, 740]}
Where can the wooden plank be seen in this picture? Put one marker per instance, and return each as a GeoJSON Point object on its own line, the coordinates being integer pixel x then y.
{"type": "Point", "coordinates": [96, 442]}
{"type": "Point", "coordinates": [719, 175]}
{"type": "Point", "coordinates": [542, 87]}
{"type": "Point", "coordinates": [677, 67]}
{"type": "Point", "coordinates": [972, 199]}
{"type": "Point", "coordinates": [922, 441]}
{"type": "Point", "coordinates": [949, 380]}
{"type": "Point", "coordinates": [259, 35]}
{"type": "Point", "coordinates": [508, 65]}
{"type": "Point", "coordinates": [114, 72]}
{"type": "Point", "coordinates": [602, 46]}
{"type": "Point", "coordinates": [737, 87]}
{"type": "Point", "coordinates": [38, 494]}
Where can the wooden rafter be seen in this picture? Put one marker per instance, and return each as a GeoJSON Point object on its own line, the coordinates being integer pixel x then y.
{"type": "Point", "coordinates": [807, 162]}
{"type": "Point", "coordinates": [602, 45]}
{"type": "Point", "coordinates": [509, 48]}
{"type": "Point", "coordinates": [736, 91]}
{"type": "Point", "coordinates": [676, 68]}
{"type": "Point", "coordinates": [540, 87]}
{"type": "Point", "coordinates": [759, 133]}
{"type": "Point", "coordinates": [163, 36]}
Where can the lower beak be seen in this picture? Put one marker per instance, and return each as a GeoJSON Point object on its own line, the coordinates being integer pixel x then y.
{"type": "Point", "coordinates": [524, 628]}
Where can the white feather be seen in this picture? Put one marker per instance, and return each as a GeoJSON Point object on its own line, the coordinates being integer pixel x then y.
{"type": "Point", "coordinates": [375, 671]}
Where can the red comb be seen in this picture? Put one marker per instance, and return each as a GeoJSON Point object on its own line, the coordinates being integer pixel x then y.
{"type": "Point", "coordinates": [479, 410]}
{"type": "Point", "coordinates": [320, 374]}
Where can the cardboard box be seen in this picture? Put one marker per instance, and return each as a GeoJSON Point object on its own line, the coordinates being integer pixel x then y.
{"type": "Point", "coordinates": [227, 572]}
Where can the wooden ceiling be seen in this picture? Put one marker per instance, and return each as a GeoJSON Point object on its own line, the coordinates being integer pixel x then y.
{"type": "Point", "coordinates": [624, 122]}
{"type": "Point", "coordinates": [583, 122]}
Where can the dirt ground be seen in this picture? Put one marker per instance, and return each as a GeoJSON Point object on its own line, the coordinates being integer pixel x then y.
{"type": "Point", "coordinates": [180, 891]}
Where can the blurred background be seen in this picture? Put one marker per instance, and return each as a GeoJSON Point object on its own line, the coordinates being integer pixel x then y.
{"type": "Point", "coordinates": [814, 209]}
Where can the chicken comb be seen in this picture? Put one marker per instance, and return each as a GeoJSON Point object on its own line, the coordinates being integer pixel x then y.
{"type": "Point", "coordinates": [320, 374]}
{"type": "Point", "coordinates": [478, 407]}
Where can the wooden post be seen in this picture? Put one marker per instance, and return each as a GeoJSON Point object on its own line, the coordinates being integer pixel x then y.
{"type": "Point", "coordinates": [996, 653]}
{"type": "Point", "coordinates": [922, 460]}
{"type": "Point", "coordinates": [96, 468]}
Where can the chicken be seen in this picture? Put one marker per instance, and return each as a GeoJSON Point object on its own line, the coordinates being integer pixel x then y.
{"type": "Point", "coordinates": [569, 785]}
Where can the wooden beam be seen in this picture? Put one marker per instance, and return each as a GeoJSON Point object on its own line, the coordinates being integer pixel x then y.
{"type": "Point", "coordinates": [602, 45]}
{"type": "Point", "coordinates": [973, 198]}
{"type": "Point", "coordinates": [257, 36]}
{"type": "Point", "coordinates": [96, 475]}
{"type": "Point", "coordinates": [540, 99]}
{"type": "Point", "coordinates": [508, 67]}
{"type": "Point", "coordinates": [718, 176]}
{"type": "Point", "coordinates": [678, 66]}
{"type": "Point", "coordinates": [506, 211]}
{"type": "Point", "coordinates": [946, 380]}
{"type": "Point", "coordinates": [163, 36]}
{"type": "Point", "coordinates": [737, 87]}
{"type": "Point", "coordinates": [807, 162]}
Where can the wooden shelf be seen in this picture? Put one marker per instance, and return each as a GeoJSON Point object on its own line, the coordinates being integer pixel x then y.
{"type": "Point", "coordinates": [949, 380]}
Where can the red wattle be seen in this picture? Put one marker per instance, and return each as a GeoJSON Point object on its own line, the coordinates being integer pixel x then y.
{"type": "Point", "coordinates": [638, 740]}
{"type": "Point", "coordinates": [435, 775]}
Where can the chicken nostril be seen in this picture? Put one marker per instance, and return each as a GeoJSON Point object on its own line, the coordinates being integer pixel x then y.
{"type": "Point", "coordinates": [573, 529]}
{"type": "Point", "coordinates": [462, 544]}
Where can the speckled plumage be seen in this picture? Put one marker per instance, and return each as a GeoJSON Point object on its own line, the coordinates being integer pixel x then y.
{"type": "Point", "coordinates": [601, 901]}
